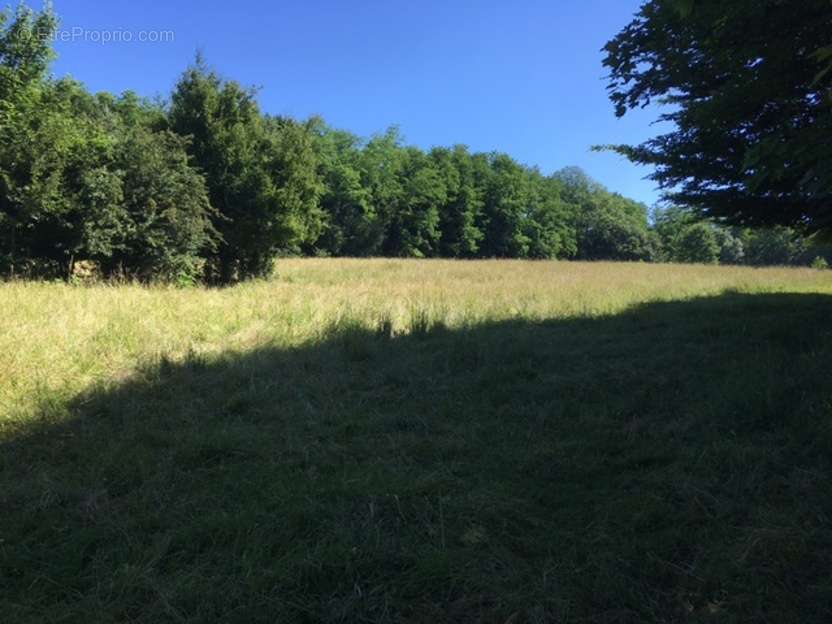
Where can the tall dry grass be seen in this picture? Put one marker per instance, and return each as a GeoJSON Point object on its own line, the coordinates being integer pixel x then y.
{"type": "Point", "coordinates": [58, 339]}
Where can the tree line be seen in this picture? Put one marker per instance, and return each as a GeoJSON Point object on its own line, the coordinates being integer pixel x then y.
{"type": "Point", "coordinates": [206, 187]}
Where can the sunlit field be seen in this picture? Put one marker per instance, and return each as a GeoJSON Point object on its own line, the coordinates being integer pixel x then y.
{"type": "Point", "coordinates": [57, 340]}
{"type": "Point", "coordinates": [414, 441]}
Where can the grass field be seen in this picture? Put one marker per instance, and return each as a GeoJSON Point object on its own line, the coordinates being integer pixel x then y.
{"type": "Point", "coordinates": [420, 441]}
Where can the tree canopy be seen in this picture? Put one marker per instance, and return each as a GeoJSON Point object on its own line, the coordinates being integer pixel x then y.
{"type": "Point", "coordinates": [746, 86]}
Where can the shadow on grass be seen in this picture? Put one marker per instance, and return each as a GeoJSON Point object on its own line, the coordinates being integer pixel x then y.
{"type": "Point", "coordinates": [671, 463]}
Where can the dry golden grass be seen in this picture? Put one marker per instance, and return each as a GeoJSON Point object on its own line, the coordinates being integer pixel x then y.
{"type": "Point", "coordinates": [57, 339]}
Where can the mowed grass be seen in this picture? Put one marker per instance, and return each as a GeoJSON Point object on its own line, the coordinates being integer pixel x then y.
{"type": "Point", "coordinates": [420, 441]}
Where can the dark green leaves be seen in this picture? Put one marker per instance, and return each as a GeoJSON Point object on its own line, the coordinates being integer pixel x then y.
{"type": "Point", "coordinates": [261, 173]}
{"type": "Point", "coordinates": [747, 92]}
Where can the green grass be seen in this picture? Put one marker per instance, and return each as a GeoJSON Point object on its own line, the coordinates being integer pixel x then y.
{"type": "Point", "coordinates": [375, 441]}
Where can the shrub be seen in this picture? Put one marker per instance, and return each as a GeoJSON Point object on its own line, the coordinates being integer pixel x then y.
{"type": "Point", "coordinates": [820, 263]}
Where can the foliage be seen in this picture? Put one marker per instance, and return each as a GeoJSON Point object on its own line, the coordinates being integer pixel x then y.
{"type": "Point", "coordinates": [747, 89]}
{"type": "Point", "coordinates": [27, 185]}
{"type": "Point", "coordinates": [668, 225]}
{"type": "Point", "coordinates": [773, 246]}
{"type": "Point", "coordinates": [608, 226]}
{"type": "Point", "coordinates": [382, 197]}
{"type": "Point", "coordinates": [550, 228]}
{"type": "Point", "coordinates": [91, 177]}
{"type": "Point", "coordinates": [349, 219]}
{"type": "Point", "coordinates": [261, 173]}
{"type": "Point", "coordinates": [207, 187]}
{"type": "Point", "coordinates": [413, 225]}
{"type": "Point", "coordinates": [697, 243]}
{"type": "Point", "coordinates": [463, 175]}
{"type": "Point", "coordinates": [167, 228]}
{"type": "Point", "coordinates": [25, 53]}
{"type": "Point", "coordinates": [731, 247]}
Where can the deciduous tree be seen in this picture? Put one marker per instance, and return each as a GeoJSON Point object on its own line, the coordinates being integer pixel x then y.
{"type": "Point", "coordinates": [747, 89]}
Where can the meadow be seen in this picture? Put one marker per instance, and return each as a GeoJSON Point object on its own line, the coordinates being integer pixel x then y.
{"type": "Point", "coordinates": [420, 441]}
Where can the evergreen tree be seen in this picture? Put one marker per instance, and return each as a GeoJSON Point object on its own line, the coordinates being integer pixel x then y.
{"type": "Point", "coordinates": [261, 174]}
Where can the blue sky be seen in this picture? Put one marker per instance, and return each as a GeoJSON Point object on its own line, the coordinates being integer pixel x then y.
{"type": "Point", "coordinates": [523, 77]}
